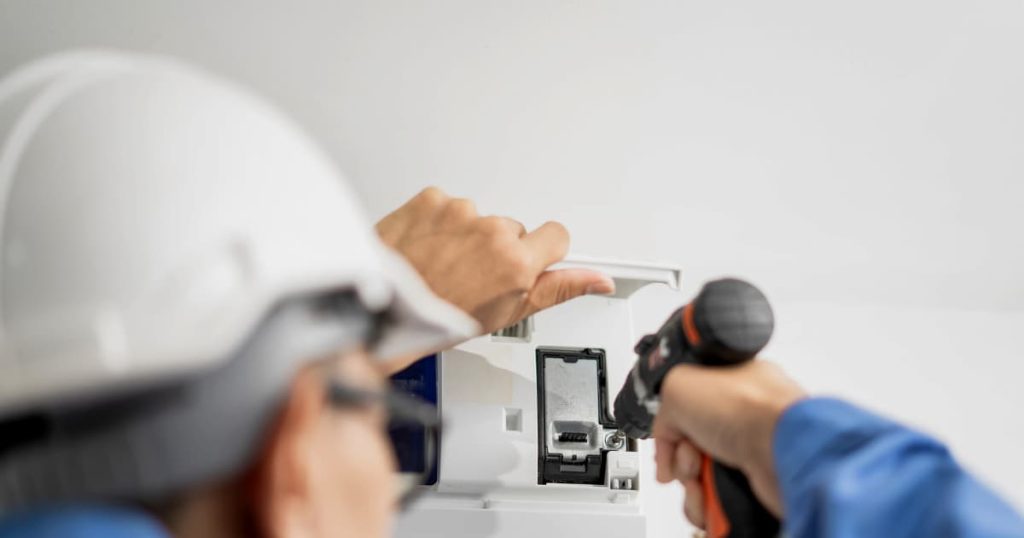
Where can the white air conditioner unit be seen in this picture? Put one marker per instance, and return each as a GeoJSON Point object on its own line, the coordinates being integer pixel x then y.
{"type": "Point", "coordinates": [529, 446]}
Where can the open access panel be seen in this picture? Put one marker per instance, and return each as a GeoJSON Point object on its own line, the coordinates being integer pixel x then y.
{"type": "Point", "coordinates": [574, 425]}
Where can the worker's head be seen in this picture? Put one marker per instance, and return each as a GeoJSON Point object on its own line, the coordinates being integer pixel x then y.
{"type": "Point", "coordinates": [184, 279]}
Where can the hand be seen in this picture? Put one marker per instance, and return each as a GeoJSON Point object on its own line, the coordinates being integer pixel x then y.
{"type": "Point", "coordinates": [490, 267]}
{"type": "Point", "coordinates": [727, 413]}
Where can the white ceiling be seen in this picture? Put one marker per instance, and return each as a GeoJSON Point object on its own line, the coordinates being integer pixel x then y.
{"type": "Point", "coordinates": [858, 152]}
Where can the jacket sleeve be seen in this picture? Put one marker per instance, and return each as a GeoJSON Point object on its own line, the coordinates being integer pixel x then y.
{"type": "Point", "coordinates": [845, 472]}
{"type": "Point", "coordinates": [82, 521]}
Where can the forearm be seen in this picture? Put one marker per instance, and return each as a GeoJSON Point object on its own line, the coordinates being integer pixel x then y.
{"type": "Point", "coordinates": [846, 472]}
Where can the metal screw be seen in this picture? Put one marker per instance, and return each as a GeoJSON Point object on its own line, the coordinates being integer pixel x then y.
{"type": "Point", "coordinates": [615, 440]}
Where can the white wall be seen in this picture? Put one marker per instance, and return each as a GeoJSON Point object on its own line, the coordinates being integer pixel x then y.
{"type": "Point", "coordinates": [862, 161]}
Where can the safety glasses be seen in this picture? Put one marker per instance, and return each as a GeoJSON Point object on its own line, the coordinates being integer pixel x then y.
{"type": "Point", "coordinates": [404, 411]}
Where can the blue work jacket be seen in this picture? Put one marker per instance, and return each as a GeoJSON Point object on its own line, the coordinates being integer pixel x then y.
{"type": "Point", "coordinates": [845, 473]}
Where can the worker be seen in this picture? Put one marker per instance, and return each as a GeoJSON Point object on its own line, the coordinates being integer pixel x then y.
{"type": "Point", "coordinates": [828, 468]}
{"type": "Point", "coordinates": [196, 317]}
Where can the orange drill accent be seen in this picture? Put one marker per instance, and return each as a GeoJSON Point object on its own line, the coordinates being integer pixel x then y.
{"type": "Point", "coordinates": [689, 327]}
{"type": "Point", "coordinates": [716, 523]}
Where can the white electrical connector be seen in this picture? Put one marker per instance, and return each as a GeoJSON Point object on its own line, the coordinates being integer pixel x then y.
{"type": "Point", "coordinates": [623, 470]}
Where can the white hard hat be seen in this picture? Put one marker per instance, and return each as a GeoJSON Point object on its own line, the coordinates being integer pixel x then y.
{"type": "Point", "coordinates": [152, 214]}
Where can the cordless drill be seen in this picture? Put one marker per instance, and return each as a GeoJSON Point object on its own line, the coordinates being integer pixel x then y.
{"type": "Point", "coordinates": [728, 323]}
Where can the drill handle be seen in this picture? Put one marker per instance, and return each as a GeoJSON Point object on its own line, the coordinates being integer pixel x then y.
{"type": "Point", "coordinates": [730, 508]}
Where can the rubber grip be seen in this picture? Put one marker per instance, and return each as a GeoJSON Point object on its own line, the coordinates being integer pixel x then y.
{"type": "Point", "coordinates": [730, 508]}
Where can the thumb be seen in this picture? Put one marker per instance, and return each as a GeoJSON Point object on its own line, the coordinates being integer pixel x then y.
{"type": "Point", "coordinates": [556, 287]}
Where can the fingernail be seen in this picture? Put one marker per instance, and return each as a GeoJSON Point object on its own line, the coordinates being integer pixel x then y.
{"type": "Point", "coordinates": [604, 287]}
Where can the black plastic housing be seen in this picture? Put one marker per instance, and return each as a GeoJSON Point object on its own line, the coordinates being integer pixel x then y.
{"type": "Point", "coordinates": [552, 467]}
